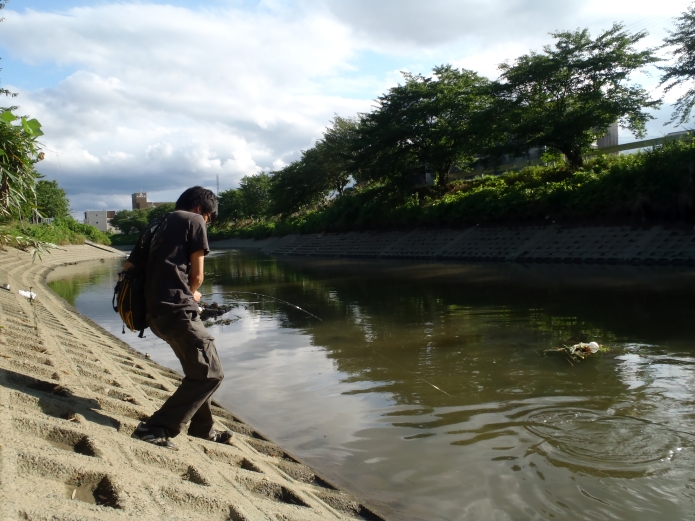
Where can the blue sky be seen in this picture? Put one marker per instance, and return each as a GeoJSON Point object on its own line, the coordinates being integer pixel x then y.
{"type": "Point", "coordinates": [158, 96]}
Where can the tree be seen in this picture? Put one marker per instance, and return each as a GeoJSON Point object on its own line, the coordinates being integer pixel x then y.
{"type": "Point", "coordinates": [159, 211]}
{"type": "Point", "coordinates": [323, 169]}
{"type": "Point", "coordinates": [131, 221]}
{"type": "Point", "coordinates": [567, 96]}
{"type": "Point", "coordinates": [335, 152]}
{"type": "Point", "coordinates": [254, 192]}
{"type": "Point", "coordinates": [682, 70]}
{"type": "Point", "coordinates": [297, 186]}
{"type": "Point", "coordinates": [425, 123]}
{"type": "Point", "coordinates": [230, 206]}
{"type": "Point", "coordinates": [52, 201]}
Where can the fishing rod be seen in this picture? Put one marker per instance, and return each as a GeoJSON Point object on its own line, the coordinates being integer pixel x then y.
{"type": "Point", "coordinates": [261, 295]}
{"type": "Point", "coordinates": [234, 292]}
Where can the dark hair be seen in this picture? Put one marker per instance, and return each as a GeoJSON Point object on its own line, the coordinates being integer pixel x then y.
{"type": "Point", "coordinates": [197, 196]}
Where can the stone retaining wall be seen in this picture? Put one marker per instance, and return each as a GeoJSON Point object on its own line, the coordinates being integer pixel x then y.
{"type": "Point", "coordinates": [592, 245]}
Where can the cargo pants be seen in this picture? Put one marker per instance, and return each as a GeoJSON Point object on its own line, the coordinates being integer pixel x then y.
{"type": "Point", "coordinates": [195, 349]}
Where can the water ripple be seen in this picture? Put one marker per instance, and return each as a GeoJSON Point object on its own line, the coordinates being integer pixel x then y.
{"type": "Point", "coordinates": [604, 444]}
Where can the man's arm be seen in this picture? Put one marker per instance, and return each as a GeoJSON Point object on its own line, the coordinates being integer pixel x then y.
{"type": "Point", "coordinates": [196, 275]}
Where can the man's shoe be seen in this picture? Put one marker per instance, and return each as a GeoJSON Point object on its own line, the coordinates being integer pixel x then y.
{"type": "Point", "coordinates": [221, 437]}
{"type": "Point", "coordinates": [156, 436]}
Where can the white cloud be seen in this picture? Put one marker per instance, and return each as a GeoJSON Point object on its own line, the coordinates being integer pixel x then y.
{"type": "Point", "coordinates": [166, 96]}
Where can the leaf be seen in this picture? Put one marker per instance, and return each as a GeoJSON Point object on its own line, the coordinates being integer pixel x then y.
{"type": "Point", "coordinates": [7, 117]}
{"type": "Point", "coordinates": [35, 127]}
{"type": "Point", "coordinates": [32, 127]}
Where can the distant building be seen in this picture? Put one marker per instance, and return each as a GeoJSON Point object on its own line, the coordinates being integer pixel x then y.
{"type": "Point", "coordinates": [100, 219]}
{"type": "Point", "coordinates": [140, 201]}
{"type": "Point", "coordinates": [610, 139]}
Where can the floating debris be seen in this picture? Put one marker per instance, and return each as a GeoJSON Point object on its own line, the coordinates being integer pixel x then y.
{"type": "Point", "coordinates": [577, 352]}
{"type": "Point", "coordinates": [214, 310]}
{"type": "Point", "coordinates": [223, 322]}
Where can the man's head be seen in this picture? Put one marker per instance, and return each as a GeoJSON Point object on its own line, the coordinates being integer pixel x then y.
{"type": "Point", "coordinates": [199, 200]}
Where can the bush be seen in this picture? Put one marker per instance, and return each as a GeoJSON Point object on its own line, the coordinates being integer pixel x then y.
{"type": "Point", "coordinates": [61, 232]}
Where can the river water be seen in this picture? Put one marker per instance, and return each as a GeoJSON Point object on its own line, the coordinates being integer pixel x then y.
{"type": "Point", "coordinates": [424, 389]}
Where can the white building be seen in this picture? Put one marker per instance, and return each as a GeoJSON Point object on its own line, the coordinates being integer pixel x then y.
{"type": "Point", "coordinates": [100, 219]}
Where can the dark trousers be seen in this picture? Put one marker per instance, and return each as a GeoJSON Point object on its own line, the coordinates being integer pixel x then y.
{"type": "Point", "coordinates": [195, 348]}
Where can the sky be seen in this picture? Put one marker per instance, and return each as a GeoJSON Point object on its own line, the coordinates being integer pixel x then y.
{"type": "Point", "coordinates": [157, 96]}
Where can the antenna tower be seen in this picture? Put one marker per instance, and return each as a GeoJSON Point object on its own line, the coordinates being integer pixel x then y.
{"type": "Point", "coordinates": [218, 184]}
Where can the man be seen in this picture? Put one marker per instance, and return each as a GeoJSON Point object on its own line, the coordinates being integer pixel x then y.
{"type": "Point", "coordinates": [174, 272]}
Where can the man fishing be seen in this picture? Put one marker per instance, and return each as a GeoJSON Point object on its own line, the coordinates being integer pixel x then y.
{"type": "Point", "coordinates": [173, 274]}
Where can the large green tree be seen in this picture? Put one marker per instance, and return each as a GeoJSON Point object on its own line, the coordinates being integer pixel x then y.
{"type": "Point", "coordinates": [681, 72]}
{"type": "Point", "coordinates": [324, 169]}
{"type": "Point", "coordinates": [424, 123]}
{"type": "Point", "coordinates": [567, 96]}
{"type": "Point", "coordinates": [296, 187]}
{"type": "Point", "coordinates": [335, 154]}
{"type": "Point", "coordinates": [159, 211]}
{"type": "Point", "coordinates": [131, 221]}
{"type": "Point", "coordinates": [254, 192]}
{"type": "Point", "coordinates": [230, 206]}
{"type": "Point", "coordinates": [52, 201]}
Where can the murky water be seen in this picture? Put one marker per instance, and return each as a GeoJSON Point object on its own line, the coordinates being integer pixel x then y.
{"type": "Point", "coordinates": [423, 387]}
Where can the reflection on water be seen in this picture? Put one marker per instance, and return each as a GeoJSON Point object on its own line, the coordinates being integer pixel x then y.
{"type": "Point", "coordinates": [423, 388]}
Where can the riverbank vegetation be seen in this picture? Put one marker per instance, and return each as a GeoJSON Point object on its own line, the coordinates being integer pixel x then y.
{"type": "Point", "coordinates": [651, 186]}
{"type": "Point", "coordinates": [417, 158]}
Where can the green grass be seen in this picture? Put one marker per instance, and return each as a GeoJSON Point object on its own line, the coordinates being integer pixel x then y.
{"type": "Point", "coordinates": [60, 232]}
{"type": "Point", "coordinates": [655, 186]}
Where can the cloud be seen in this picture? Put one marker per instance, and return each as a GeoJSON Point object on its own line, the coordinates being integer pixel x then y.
{"type": "Point", "coordinates": [165, 97]}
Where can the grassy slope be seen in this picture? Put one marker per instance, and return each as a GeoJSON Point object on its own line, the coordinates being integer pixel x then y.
{"type": "Point", "coordinates": [61, 231]}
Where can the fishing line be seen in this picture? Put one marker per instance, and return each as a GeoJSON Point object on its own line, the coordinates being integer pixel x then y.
{"type": "Point", "coordinates": [234, 292]}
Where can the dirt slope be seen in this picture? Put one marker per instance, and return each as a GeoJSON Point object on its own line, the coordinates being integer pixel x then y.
{"type": "Point", "coordinates": [71, 395]}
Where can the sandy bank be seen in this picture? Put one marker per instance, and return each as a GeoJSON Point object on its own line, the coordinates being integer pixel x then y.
{"type": "Point", "coordinates": [70, 396]}
{"type": "Point", "coordinates": [654, 245]}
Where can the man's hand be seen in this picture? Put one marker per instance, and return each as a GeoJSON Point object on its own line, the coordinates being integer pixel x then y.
{"type": "Point", "coordinates": [196, 296]}
{"type": "Point", "coordinates": [128, 265]}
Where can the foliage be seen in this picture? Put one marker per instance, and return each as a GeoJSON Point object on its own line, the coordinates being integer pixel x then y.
{"type": "Point", "coordinates": [254, 194]}
{"type": "Point", "coordinates": [426, 123]}
{"type": "Point", "coordinates": [51, 200]}
{"type": "Point", "coordinates": [229, 206]}
{"type": "Point", "coordinates": [567, 96]}
{"type": "Point", "coordinates": [559, 100]}
{"type": "Point", "coordinates": [682, 71]}
{"type": "Point", "coordinates": [159, 211]}
{"type": "Point", "coordinates": [130, 221]}
{"type": "Point", "coordinates": [61, 231]}
{"type": "Point", "coordinates": [655, 185]}
{"type": "Point", "coordinates": [19, 151]}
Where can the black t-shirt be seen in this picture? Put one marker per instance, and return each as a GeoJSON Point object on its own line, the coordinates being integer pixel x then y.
{"type": "Point", "coordinates": [166, 284]}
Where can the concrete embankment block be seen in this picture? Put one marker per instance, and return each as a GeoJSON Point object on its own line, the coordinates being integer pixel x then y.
{"type": "Point", "coordinates": [552, 243]}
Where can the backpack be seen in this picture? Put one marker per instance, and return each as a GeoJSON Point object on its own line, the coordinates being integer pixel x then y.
{"type": "Point", "coordinates": [129, 294]}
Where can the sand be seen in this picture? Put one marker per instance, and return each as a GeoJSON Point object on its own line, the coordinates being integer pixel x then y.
{"type": "Point", "coordinates": [71, 395]}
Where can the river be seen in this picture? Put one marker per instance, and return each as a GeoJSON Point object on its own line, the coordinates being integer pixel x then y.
{"type": "Point", "coordinates": [424, 389]}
